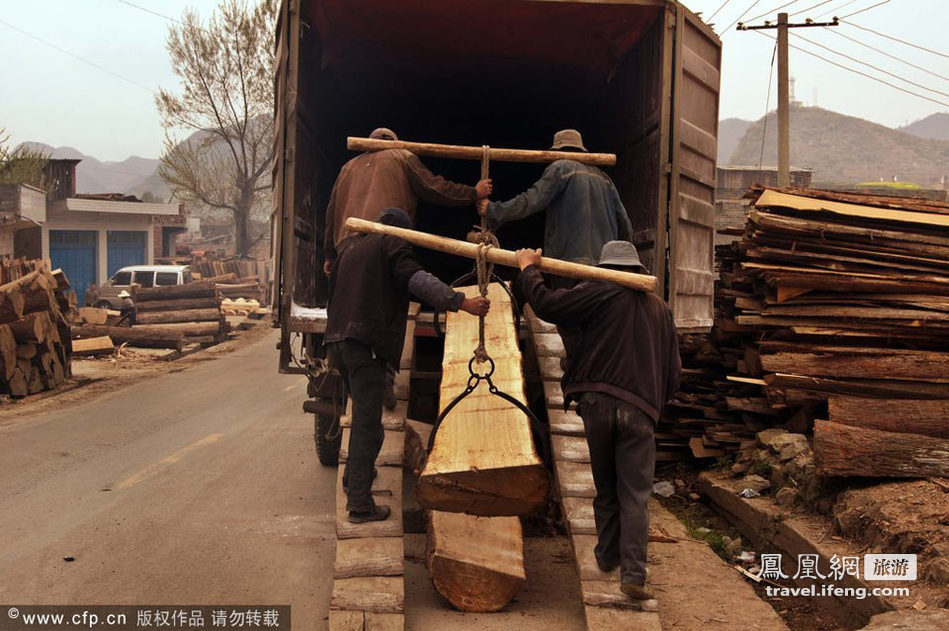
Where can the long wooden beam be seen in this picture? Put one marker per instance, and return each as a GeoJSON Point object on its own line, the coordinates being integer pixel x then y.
{"type": "Point", "coordinates": [476, 153]}
{"type": "Point", "coordinates": [499, 256]}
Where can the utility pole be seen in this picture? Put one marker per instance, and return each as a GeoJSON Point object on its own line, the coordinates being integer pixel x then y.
{"type": "Point", "coordinates": [784, 98]}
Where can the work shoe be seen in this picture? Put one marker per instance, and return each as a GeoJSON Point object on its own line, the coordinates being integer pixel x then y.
{"type": "Point", "coordinates": [638, 592]}
{"type": "Point", "coordinates": [607, 568]}
{"type": "Point", "coordinates": [375, 472]}
{"type": "Point", "coordinates": [379, 513]}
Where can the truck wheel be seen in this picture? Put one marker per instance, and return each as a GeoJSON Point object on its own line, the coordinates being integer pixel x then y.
{"type": "Point", "coordinates": [329, 436]}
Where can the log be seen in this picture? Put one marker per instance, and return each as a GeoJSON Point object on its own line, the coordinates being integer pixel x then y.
{"type": "Point", "coordinates": [908, 416]}
{"type": "Point", "coordinates": [188, 315]}
{"type": "Point", "coordinates": [841, 450]}
{"type": "Point", "coordinates": [188, 329]}
{"type": "Point", "coordinates": [93, 315]}
{"type": "Point", "coordinates": [862, 364]}
{"type": "Point", "coordinates": [507, 258]}
{"type": "Point", "coordinates": [33, 327]}
{"type": "Point", "coordinates": [209, 302]}
{"type": "Point", "coordinates": [477, 563]}
{"type": "Point", "coordinates": [93, 346]}
{"type": "Point", "coordinates": [483, 461]}
{"type": "Point", "coordinates": [36, 289]}
{"type": "Point", "coordinates": [8, 352]}
{"type": "Point", "coordinates": [463, 152]}
{"type": "Point", "coordinates": [197, 289]}
{"type": "Point", "coordinates": [141, 336]}
{"type": "Point", "coordinates": [11, 302]}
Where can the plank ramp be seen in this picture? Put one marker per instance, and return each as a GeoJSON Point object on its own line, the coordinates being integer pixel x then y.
{"type": "Point", "coordinates": [604, 606]}
{"type": "Point", "coordinates": [368, 587]}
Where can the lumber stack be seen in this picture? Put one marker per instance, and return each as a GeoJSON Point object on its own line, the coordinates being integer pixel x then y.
{"type": "Point", "coordinates": [35, 346]}
{"type": "Point", "coordinates": [836, 310]}
{"type": "Point", "coordinates": [193, 309]}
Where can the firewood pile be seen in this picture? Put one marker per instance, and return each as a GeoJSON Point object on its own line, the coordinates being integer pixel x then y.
{"type": "Point", "coordinates": [168, 317]}
{"type": "Point", "coordinates": [12, 269]}
{"type": "Point", "coordinates": [35, 347]}
{"type": "Point", "coordinates": [832, 313]}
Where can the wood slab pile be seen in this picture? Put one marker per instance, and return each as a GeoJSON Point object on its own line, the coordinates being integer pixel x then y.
{"type": "Point", "coordinates": [835, 309]}
{"type": "Point", "coordinates": [35, 346]}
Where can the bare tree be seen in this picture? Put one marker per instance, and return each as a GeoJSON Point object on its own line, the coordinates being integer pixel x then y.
{"type": "Point", "coordinates": [21, 165]}
{"type": "Point", "coordinates": [226, 97]}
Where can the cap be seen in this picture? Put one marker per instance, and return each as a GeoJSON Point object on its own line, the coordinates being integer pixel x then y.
{"type": "Point", "coordinates": [568, 138]}
{"type": "Point", "coordinates": [621, 254]}
{"type": "Point", "coordinates": [383, 133]}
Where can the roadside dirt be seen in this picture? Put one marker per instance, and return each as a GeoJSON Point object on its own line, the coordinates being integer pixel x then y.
{"type": "Point", "coordinates": [95, 377]}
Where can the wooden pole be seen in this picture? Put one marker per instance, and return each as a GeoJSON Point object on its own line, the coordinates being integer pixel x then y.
{"type": "Point", "coordinates": [463, 152]}
{"type": "Point", "coordinates": [507, 258]}
{"type": "Point", "coordinates": [784, 105]}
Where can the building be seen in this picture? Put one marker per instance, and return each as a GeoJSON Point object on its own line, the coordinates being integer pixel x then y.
{"type": "Point", "coordinates": [89, 236]}
{"type": "Point", "coordinates": [731, 209]}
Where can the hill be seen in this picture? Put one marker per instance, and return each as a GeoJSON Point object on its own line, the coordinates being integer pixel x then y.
{"type": "Point", "coordinates": [730, 131]}
{"type": "Point", "coordinates": [934, 126]}
{"type": "Point", "coordinates": [845, 149]}
{"type": "Point", "coordinates": [96, 176]}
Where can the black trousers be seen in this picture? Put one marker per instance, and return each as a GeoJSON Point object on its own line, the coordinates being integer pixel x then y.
{"type": "Point", "coordinates": [623, 458]}
{"type": "Point", "coordinates": [365, 378]}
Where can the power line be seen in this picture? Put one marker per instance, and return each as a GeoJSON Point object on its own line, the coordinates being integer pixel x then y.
{"type": "Point", "coordinates": [77, 57]}
{"type": "Point", "coordinates": [738, 19]}
{"type": "Point", "coordinates": [835, 9]}
{"type": "Point", "coordinates": [896, 39]}
{"type": "Point", "coordinates": [155, 13]}
{"type": "Point", "coordinates": [890, 55]}
{"type": "Point", "coordinates": [720, 7]}
{"type": "Point", "coordinates": [872, 6]}
{"type": "Point", "coordinates": [869, 65]}
{"type": "Point", "coordinates": [774, 10]}
{"type": "Point", "coordinates": [819, 4]}
{"type": "Point", "coordinates": [862, 74]}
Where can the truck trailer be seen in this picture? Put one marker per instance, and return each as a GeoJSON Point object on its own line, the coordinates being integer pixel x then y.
{"type": "Point", "coordinates": [639, 78]}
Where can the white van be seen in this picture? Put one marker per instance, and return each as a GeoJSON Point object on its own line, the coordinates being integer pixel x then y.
{"type": "Point", "coordinates": [143, 276]}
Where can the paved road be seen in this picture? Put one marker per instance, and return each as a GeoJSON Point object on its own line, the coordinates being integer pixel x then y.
{"type": "Point", "coordinates": [197, 487]}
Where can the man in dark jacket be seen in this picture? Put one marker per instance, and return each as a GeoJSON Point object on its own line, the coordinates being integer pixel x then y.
{"type": "Point", "coordinates": [627, 365]}
{"type": "Point", "coordinates": [387, 178]}
{"type": "Point", "coordinates": [368, 305]}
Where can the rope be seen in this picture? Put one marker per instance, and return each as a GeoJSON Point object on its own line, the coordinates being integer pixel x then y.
{"type": "Point", "coordinates": [486, 241]}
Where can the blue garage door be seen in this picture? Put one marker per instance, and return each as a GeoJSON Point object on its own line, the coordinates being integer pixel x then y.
{"type": "Point", "coordinates": [75, 252]}
{"type": "Point", "coordinates": [126, 247]}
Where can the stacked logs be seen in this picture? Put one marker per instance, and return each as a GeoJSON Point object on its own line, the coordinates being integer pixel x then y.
{"type": "Point", "coordinates": [35, 346]}
{"type": "Point", "coordinates": [168, 317]}
{"type": "Point", "coordinates": [834, 314]}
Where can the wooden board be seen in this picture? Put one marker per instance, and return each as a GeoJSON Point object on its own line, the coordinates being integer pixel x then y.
{"type": "Point", "coordinates": [929, 417]}
{"type": "Point", "coordinates": [797, 202]}
{"type": "Point", "coordinates": [92, 346]}
{"type": "Point", "coordinates": [391, 453]}
{"type": "Point", "coordinates": [483, 461]}
{"type": "Point", "coordinates": [477, 563]}
{"type": "Point", "coordinates": [386, 490]}
{"type": "Point", "coordinates": [841, 450]}
{"type": "Point", "coordinates": [376, 556]}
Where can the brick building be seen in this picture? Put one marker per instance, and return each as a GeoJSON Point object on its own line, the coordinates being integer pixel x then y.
{"type": "Point", "coordinates": [733, 183]}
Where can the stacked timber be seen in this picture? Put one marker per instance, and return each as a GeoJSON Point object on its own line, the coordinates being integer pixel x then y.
{"type": "Point", "coordinates": [838, 310]}
{"type": "Point", "coordinates": [35, 347]}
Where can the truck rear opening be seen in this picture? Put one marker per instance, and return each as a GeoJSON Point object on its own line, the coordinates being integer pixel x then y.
{"type": "Point", "coordinates": [505, 73]}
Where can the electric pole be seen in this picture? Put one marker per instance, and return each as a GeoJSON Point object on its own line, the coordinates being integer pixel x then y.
{"type": "Point", "coordinates": [784, 99]}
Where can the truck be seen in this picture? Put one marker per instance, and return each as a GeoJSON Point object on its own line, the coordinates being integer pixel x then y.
{"type": "Point", "coordinates": [639, 78]}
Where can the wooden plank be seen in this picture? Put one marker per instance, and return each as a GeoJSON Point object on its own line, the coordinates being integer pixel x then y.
{"type": "Point", "coordinates": [380, 556]}
{"type": "Point", "coordinates": [587, 569]}
{"type": "Point", "coordinates": [570, 448]}
{"type": "Point", "coordinates": [549, 345]}
{"type": "Point", "coordinates": [378, 594]}
{"type": "Point", "coordinates": [910, 416]}
{"type": "Point", "coordinates": [553, 394]}
{"type": "Point", "coordinates": [607, 594]}
{"type": "Point", "coordinates": [347, 620]}
{"type": "Point", "coordinates": [477, 563]}
{"type": "Point", "coordinates": [393, 448]}
{"type": "Point", "coordinates": [386, 491]}
{"type": "Point", "coordinates": [391, 419]}
{"type": "Point", "coordinates": [882, 364]}
{"type": "Point", "coordinates": [575, 479]}
{"type": "Point", "coordinates": [782, 200]}
{"type": "Point", "coordinates": [92, 346]}
{"type": "Point", "coordinates": [483, 460]}
{"type": "Point", "coordinates": [841, 450]}
{"type": "Point", "coordinates": [578, 512]}
{"type": "Point", "coordinates": [385, 621]}
{"type": "Point", "coordinates": [614, 619]}
{"type": "Point", "coordinates": [565, 423]}
{"type": "Point", "coordinates": [495, 154]}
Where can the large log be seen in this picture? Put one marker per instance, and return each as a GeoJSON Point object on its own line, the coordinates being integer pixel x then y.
{"type": "Point", "coordinates": [7, 353]}
{"type": "Point", "coordinates": [93, 315]}
{"type": "Point", "coordinates": [188, 329]}
{"type": "Point", "coordinates": [463, 152]}
{"type": "Point", "coordinates": [841, 450]}
{"type": "Point", "coordinates": [37, 290]}
{"type": "Point", "coordinates": [188, 315]}
{"type": "Point", "coordinates": [11, 302]}
{"type": "Point", "coordinates": [141, 336]}
{"type": "Point", "coordinates": [909, 416]}
{"type": "Point", "coordinates": [208, 302]}
{"type": "Point", "coordinates": [33, 327]}
{"type": "Point", "coordinates": [477, 563]}
{"type": "Point", "coordinates": [507, 258]}
{"type": "Point", "coordinates": [483, 460]}
{"type": "Point", "coordinates": [862, 363]}
{"type": "Point", "coordinates": [197, 289]}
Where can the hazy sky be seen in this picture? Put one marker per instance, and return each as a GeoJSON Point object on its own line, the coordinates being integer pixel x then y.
{"type": "Point", "coordinates": [51, 97]}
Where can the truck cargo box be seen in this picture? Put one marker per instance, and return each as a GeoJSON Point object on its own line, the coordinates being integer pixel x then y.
{"type": "Point", "coordinates": [639, 78]}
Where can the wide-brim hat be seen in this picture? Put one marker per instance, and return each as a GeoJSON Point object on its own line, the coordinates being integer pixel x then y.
{"type": "Point", "coordinates": [568, 139]}
{"type": "Point", "coordinates": [621, 254]}
{"type": "Point", "coordinates": [124, 294]}
{"type": "Point", "coordinates": [383, 133]}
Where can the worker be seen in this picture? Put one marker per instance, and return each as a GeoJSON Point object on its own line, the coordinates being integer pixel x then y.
{"type": "Point", "coordinates": [369, 292]}
{"type": "Point", "coordinates": [126, 308]}
{"type": "Point", "coordinates": [626, 367]}
{"type": "Point", "coordinates": [91, 295]}
{"type": "Point", "coordinates": [386, 178]}
{"type": "Point", "coordinates": [584, 211]}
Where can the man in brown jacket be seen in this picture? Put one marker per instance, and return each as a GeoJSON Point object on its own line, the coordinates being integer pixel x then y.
{"type": "Point", "coordinates": [625, 368]}
{"type": "Point", "coordinates": [387, 178]}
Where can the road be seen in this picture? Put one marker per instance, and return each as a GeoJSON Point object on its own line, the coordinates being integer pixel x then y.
{"type": "Point", "coordinates": [196, 487]}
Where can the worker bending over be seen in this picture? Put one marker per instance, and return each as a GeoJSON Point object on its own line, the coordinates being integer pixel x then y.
{"type": "Point", "coordinates": [626, 366]}
{"type": "Point", "coordinates": [387, 178]}
{"type": "Point", "coordinates": [369, 291]}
